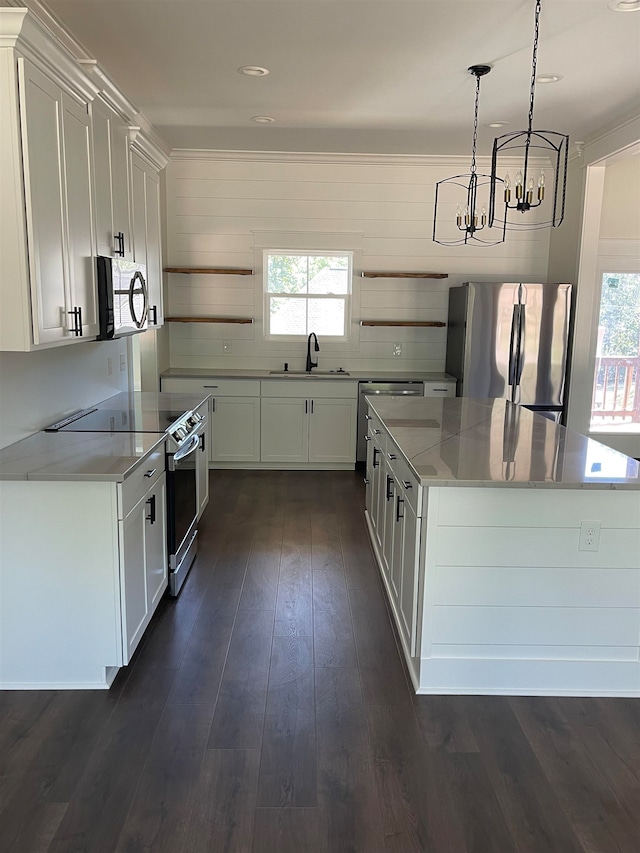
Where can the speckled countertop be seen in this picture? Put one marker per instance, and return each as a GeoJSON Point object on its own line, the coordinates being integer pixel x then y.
{"type": "Point", "coordinates": [99, 456]}
{"type": "Point", "coordinates": [356, 375]}
{"type": "Point", "coordinates": [466, 442]}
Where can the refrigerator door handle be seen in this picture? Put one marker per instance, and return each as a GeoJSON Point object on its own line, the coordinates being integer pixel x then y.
{"type": "Point", "coordinates": [513, 342]}
{"type": "Point", "coordinates": [521, 333]}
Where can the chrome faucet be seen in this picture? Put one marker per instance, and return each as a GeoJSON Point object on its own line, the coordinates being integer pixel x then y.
{"type": "Point", "coordinates": [311, 364]}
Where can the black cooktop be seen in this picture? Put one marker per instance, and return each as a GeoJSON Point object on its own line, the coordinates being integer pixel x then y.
{"type": "Point", "coordinates": [121, 419]}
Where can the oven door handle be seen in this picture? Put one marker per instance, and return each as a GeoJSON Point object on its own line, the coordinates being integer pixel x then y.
{"type": "Point", "coordinates": [190, 447]}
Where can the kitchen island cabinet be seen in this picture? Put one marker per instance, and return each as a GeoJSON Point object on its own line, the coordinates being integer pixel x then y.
{"type": "Point", "coordinates": [496, 587]}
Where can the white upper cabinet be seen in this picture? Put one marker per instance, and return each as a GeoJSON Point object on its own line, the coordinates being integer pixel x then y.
{"type": "Point", "coordinates": [111, 173]}
{"type": "Point", "coordinates": [147, 249]}
{"type": "Point", "coordinates": [49, 264]}
{"type": "Point", "coordinates": [66, 188]}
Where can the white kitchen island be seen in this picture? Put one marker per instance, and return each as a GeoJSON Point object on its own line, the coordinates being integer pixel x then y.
{"type": "Point", "coordinates": [509, 548]}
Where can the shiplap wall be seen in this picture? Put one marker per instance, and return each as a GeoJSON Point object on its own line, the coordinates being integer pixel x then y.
{"type": "Point", "coordinates": [221, 206]}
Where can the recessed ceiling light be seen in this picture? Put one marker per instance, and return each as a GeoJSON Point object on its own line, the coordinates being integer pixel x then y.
{"type": "Point", "coordinates": [548, 78]}
{"type": "Point", "coordinates": [253, 71]}
{"type": "Point", "coordinates": [624, 5]}
{"type": "Point", "coordinates": [496, 123]}
{"type": "Point", "coordinates": [263, 119]}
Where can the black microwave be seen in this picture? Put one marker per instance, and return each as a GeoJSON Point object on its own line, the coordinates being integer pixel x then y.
{"type": "Point", "coordinates": [123, 298]}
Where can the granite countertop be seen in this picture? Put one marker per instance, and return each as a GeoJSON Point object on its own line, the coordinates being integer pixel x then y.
{"type": "Point", "coordinates": [255, 373]}
{"type": "Point", "coordinates": [96, 456]}
{"type": "Point", "coordinates": [458, 441]}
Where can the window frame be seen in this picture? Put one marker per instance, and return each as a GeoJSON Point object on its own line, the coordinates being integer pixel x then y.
{"type": "Point", "coordinates": [347, 297]}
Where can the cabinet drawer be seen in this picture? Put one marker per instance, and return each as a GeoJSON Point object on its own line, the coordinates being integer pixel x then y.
{"type": "Point", "coordinates": [439, 389]}
{"type": "Point", "coordinates": [140, 481]}
{"type": "Point", "coordinates": [377, 433]}
{"type": "Point", "coordinates": [214, 386]}
{"type": "Point", "coordinates": [310, 388]}
{"type": "Point", "coordinates": [404, 475]}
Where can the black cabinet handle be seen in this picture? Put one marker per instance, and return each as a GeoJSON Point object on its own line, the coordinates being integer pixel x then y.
{"type": "Point", "coordinates": [152, 509]}
{"type": "Point", "coordinates": [367, 417]}
{"type": "Point", "coordinates": [202, 442]}
{"type": "Point", "coordinates": [391, 456]}
{"type": "Point", "coordinates": [76, 313]}
{"type": "Point", "coordinates": [150, 473]}
{"type": "Point", "coordinates": [366, 481]}
{"type": "Point", "coordinates": [399, 501]}
{"type": "Point", "coordinates": [154, 313]}
{"type": "Point", "coordinates": [367, 438]}
{"type": "Point", "coordinates": [119, 247]}
{"type": "Point", "coordinates": [389, 487]}
{"type": "Point", "coordinates": [376, 450]}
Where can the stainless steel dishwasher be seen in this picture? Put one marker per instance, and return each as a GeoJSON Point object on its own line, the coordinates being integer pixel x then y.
{"type": "Point", "coordinates": [408, 388]}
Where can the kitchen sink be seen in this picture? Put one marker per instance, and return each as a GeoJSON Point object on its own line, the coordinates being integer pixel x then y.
{"type": "Point", "coordinates": [298, 373]}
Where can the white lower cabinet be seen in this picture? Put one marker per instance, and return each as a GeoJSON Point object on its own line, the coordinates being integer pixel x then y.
{"type": "Point", "coordinates": [305, 422]}
{"type": "Point", "coordinates": [235, 429]}
{"type": "Point", "coordinates": [143, 563]}
{"type": "Point", "coordinates": [76, 598]}
{"type": "Point", "coordinates": [392, 501]}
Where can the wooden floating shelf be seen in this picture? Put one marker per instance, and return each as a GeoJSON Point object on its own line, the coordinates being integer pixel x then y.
{"type": "Point", "coordinates": [405, 275]}
{"type": "Point", "coordinates": [208, 271]}
{"type": "Point", "coordinates": [433, 323]}
{"type": "Point", "coordinates": [243, 320]}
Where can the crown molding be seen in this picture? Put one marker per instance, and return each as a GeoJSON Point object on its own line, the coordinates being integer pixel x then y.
{"type": "Point", "coordinates": [625, 135]}
{"type": "Point", "coordinates": [23, 31]}
{"type": "Point", "coordinates": [458, 162]}
{"type": "Point", "coordinates": [53, 25]}
{"type": "Point", "coordinates": [146, 141]}
{"type": "Point", "coordinates": [109, 92]}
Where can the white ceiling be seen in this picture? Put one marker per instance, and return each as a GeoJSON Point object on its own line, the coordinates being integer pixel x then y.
{"type": "Point", "coordinates": [370, 76]}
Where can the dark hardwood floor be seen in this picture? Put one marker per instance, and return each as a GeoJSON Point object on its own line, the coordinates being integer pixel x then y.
{"type": "Point", "coordinates": [268, 710]}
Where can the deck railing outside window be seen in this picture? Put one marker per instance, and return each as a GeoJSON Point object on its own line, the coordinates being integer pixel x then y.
{"type": "Point", "coordinates": [616, 394]}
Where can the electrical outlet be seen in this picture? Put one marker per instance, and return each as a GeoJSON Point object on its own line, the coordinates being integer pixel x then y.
{"type": "Point", "coordinates": [397, 349]}
{"type": "Point", "coordinates": [589, 536]}
{"type": "Point", "coordinates": [123, 362]}
{"type": "Point", "coordinates": [109, 366]}
{"type": "Point", "coordinates": [226, 346]}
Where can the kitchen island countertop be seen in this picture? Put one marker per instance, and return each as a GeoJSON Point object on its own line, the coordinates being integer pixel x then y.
{"type": "Point", "coordinates": [493, 443]}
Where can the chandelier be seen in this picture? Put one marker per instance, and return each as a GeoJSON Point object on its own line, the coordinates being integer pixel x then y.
{"type": "Point", "coordinates": [462, 190]}
{"type": "Point", "coordinates": [528, 190]}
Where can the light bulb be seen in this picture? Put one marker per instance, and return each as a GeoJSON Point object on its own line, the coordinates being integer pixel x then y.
{"type": "Point", "coordinates": [483, 215]}
{"type": "Point", "coordinates": [519, 179]}
{"type": "Point", "coordinates": [458, 215]}
{"type": "Point", "coordinates": [507, 188]}
{"type": "Point", "coordinates": [541, 186]}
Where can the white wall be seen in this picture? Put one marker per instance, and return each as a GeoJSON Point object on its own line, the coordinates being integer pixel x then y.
{"type": "Point", "coordinates": [38, 388]}
{"type": "Point", "coordinates": [221, 206]}
{"type": "Point", "coordinates": [620, 219]}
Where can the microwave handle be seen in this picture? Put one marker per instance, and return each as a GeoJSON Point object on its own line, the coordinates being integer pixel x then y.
{"type": "Point", "coordinates": [138, 277]}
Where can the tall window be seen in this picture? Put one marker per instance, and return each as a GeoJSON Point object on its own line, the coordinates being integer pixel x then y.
{"type": "Point", "coordinates": [616, 386]}
{"type": "Point", "coordinates": [307, 293]}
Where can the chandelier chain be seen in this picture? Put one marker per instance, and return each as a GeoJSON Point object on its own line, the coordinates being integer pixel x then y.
{"type": "Point", "coordinates": [475, 127]}
{"type": "Point", "coordinates": [534, 64]}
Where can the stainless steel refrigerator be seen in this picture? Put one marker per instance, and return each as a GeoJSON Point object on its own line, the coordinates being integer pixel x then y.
{"type": "Point", "coordinates": [510, 340]}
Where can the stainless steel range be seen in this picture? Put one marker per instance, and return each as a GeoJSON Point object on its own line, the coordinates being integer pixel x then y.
{"type": "Point", "coordinates": [185, 435]}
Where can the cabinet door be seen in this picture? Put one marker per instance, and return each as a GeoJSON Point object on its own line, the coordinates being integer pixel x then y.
{"type": "Point", "coordinates": [332, 430]}
{"type": "Point", "coordinates": [202, 473]}
{"type": "Point", "coordinates": [369, 480]}
{"type": "Point", "coordinates": [409, 570]}
{"type": "Point", "coordinates": [377, 465]}
{"type": "Point", "coordinates": [389, 498]}
{"type": "Point", "coordinates": [145, 194]}
{"type": "Point", "coordinates": [284, 430]}
{"type": "Point", "coordinates": [111, 180]}
{"type": "Point", "coordinates": [155, 541]}
{"type": "Point", "coordinates": [134, 579]}
{"type": "Point", "coordinates": [80, 239]}
{"type": "Point", "coordinates": [395, 567]}
{"type": "Point", "coordinates": [235, 429]}
{"type": "Point", "coordinates": [42, 151]}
